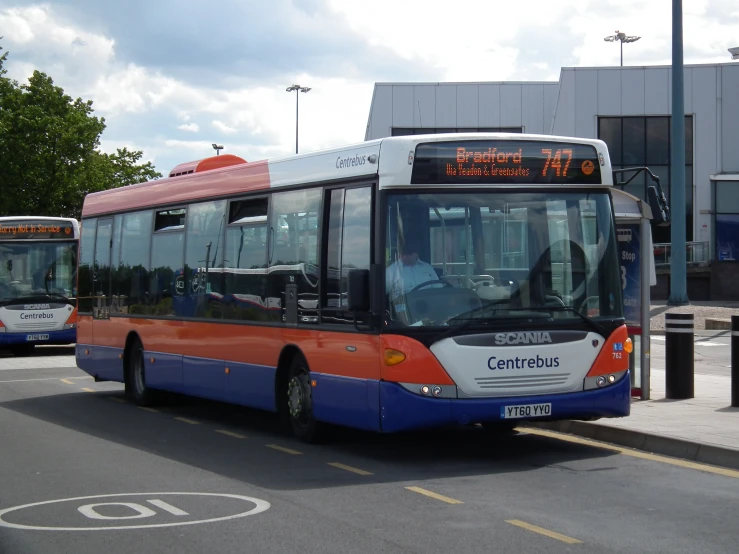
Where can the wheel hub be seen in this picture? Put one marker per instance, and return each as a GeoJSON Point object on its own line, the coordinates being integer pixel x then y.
{"type": "Point", "coordinates": [298, 396]}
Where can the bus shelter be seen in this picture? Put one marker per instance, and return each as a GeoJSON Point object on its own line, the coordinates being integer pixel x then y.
{"type": "Point", "coordinates": [638, 273]}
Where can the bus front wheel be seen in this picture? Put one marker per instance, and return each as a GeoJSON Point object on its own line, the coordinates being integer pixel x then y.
{"type": "Point", "coordinates": [300, 402]}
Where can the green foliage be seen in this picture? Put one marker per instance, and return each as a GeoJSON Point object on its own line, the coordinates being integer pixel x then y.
{"type": "Point", "coordinates": [49, 157]}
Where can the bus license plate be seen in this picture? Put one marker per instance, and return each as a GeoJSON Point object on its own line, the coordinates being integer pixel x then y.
{"type": "Point", "coordinates": [37, 337]}
{"type": "Point", "coordinates": [525, 410]}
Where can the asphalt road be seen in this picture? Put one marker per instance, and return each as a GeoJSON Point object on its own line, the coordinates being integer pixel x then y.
{"type": "Point", "coordinates": [194, 476]}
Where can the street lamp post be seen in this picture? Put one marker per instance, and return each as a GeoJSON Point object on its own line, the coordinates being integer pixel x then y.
{"type": "Point", "coordinates": [217, 148]}
{"type": "Point", "coordinates": [621, 37]}
{"type": "Point", "coordinates": [297, 89]}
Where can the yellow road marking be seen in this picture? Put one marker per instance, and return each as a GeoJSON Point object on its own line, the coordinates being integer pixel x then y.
{"type": "Point", "coordinates": [89, 390]}
{"type": "Point", "coordinates": [116, 399]}
{"type": "Point", "coordinates": [282, 449]}
{"type": "Point", "coordinates": [67, 381]}
{"type": "Point", "coordinates": [190, 421]}
{"type": "Point", "coordinates": [230, 434]}
{"type": "Point", "coordinates": [153, 410]}
{"type": "Point", "coordinates": [636, 453]}
{"type": "Point", "coordinates": [350, 468]}
{"type": "Point", "coordinates": [542, 531]}
{"type": "Point", "coordinates": [443, 498]}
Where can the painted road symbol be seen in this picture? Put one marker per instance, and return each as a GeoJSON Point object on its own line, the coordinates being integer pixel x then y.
{"type": "Point", "coordinates": [142, 510]}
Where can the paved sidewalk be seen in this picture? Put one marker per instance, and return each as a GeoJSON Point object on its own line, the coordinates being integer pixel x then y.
{"type": "Point", "coordinates": [704, 428]}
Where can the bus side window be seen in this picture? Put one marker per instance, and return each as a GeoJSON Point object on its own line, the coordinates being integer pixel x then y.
{"type": "Point", "coordinates": [293, 251]}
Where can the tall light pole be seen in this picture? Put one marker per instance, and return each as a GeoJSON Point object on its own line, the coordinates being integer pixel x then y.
{"type": "Point", "coordinates": [678, 271]}
{"type": "Point", "coordinates": [217, 148]}
{"type": "Point", "coordinates": [621, 37]}
{"type": "Point", "coordinates": [298, 89]}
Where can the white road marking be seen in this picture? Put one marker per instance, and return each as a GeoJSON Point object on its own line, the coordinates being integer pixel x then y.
{"type": "Point", "coordinates": [167, 507]}
{"type": "Point", "coordinates": [259, 507]}
{"type": "Point", "coordinates": [41, 379]}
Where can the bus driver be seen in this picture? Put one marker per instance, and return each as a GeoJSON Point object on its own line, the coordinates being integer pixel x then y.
{"type": "Point", "coordinates": [409, 271]}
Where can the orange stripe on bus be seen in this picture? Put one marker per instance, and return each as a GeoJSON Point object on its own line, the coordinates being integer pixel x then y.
{"type": "Point", "coordinates": [345, 354]}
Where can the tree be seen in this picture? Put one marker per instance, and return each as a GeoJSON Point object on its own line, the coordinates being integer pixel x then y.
{"type": "Point", "coordinates": [49, 157]}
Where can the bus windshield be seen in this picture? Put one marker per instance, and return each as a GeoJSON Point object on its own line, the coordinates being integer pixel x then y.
{"type": "Point", "coordinates": [461, 258]}
{"type": "Point", "coordinates": [32, 269]}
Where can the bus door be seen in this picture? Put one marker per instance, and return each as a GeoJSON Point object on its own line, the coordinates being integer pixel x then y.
{"type": "Point", "coordinates": [101, 269]}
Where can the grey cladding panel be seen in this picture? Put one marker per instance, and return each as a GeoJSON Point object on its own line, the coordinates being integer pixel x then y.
{"type": "Point", "coordinates": [510, 105]}
{"type": "Point", "coordinates": [656, 85]}
{"type": "Point", "coordinates": [446, 106]}
{"type": "Point", "coordinates": [586, 103]}
{"type": "Point", "coordinates": [632, 91]}
{"type": "Point", "coordinates": [489, 103]}
{"type": "Point", "coordinates": [533, 109]}
{"type": "Point", "coordinates": [467, 106]}
{"type": "Point", "coordinates": [609, 92]}
{"type": "Point", "coordinates": [730, 126]}
{"type": "Point", "coordinates": [424, 106]}
{"type": "Point", "coordinates": [403, 106]}
{"type": "Point", "coordinates": [382, 112]}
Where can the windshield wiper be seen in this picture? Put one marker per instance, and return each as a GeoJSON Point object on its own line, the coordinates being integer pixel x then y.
{"type": "Point", "coordinates": [590, 321]}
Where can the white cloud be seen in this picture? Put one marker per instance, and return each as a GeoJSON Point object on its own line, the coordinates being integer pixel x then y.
{"type": "Point", "coordinates": [223, 128]}
{"type": "Point", "coordinates": [190, 127]}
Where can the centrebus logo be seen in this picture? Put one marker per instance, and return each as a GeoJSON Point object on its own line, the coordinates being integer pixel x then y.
{"type": "Point", "coordinates": [504, 339]}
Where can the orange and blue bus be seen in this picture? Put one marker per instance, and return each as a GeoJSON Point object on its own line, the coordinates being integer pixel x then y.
{"type": "Point", "coordinates": [38, 281]}
{"type": "Point", "coordinates": [396, 284]}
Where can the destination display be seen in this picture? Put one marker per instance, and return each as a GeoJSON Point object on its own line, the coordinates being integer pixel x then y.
{"type": "Point", "coordinates": [30, 229]}
{"type": "Point", "coordinates": [506, 161]}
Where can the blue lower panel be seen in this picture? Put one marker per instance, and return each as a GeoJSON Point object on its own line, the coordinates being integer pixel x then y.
{"type": "Point", "coordinates": [251, 385]}
{"type": "Point", "coordinates": [85, 361]}
{"type": "Point", "coordinates": [204, 377]}
{"type": "Point", "coordinates": [165, 372]}
{"type": "Point", "coordinates": [108, 366]}
{"type": "Point", "coordinates": [67, 336]}
{"type": "Point", "coordinates": [346, 401]}
{"type": "Point", "coordinates": [403, 410]}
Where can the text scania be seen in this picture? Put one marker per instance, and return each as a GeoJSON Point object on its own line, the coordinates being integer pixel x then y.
{"type": "Point", "coordinates": [522, 363]}
{"type": "Point", "coordinates": [41, 315]}
{"type": "Point", "coordinates": [351, 161]}
{"type": "Point", "coordinates": [523, 338]}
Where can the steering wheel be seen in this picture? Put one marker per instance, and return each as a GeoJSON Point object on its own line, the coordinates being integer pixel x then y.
{"type": "Point", "coordinates": [426, 283]}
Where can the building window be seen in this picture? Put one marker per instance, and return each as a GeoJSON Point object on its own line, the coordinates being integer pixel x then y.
{"type": "Point", "coordinates": [406, 131]}
{"type": "Point", "coordinates": [645, 141]}
{"type": "Point", "coordinates": [726, 222]}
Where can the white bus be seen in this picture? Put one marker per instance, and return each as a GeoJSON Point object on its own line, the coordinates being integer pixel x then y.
{"type": "Point", "coordinates": [38, 274]}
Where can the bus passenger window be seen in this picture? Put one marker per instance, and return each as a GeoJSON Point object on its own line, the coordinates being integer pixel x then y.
{"type": "Point", "coordinates": [293, 252]}
{"type": "Point", "coordinates": [244, 262]}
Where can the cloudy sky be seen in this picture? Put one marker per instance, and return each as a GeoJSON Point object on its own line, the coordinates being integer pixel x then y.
{"type": "Point", "coordinates": [171, 77]}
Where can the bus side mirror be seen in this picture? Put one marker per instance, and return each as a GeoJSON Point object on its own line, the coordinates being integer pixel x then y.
{"type": "Point", "coordinates": [358, 290]}
{"type": "Point", "coordinates": [659, 207]}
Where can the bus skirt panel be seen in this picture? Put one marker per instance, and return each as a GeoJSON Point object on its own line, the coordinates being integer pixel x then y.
{"type": "Point", "coordinates": [402, 410]}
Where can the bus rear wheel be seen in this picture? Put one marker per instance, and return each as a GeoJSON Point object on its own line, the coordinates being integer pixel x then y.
{"type": "Point", "coordinates": [136, 387]}
{"type": "Point", "coordinates": [300, 402]}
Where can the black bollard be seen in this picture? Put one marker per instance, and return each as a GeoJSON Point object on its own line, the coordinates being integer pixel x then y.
{"type": "Point", "coordinates": [735, 361]}
{"type": "Point", "coordinates": [679, 363]}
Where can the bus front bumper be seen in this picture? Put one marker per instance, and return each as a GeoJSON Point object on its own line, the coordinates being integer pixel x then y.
{"type": "Point", "coordinates": [66, 336]}
{"type": "Point", "coordinates": [403, 411]}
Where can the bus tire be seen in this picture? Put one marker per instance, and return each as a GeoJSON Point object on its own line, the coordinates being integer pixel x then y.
{"type": "Point", "coordinates": [136, 387]}
{"type": "Point", "coordinates": [299, 402]}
